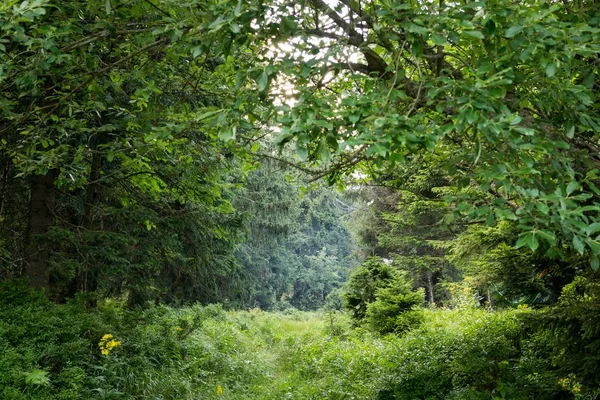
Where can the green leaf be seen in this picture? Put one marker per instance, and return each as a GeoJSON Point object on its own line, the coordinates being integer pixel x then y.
{"type": "Point", "coordinates": [263, 81]}
{"type": "Point", "coordinates": [516, 119]}
{"type": "Point", "coordinates": [323, 152]}
{"type": "Point", "coordinates": [528, 160]}
{"type": "Point", "coordinates": [302, 152]}
{"type": "Point", "coordinates": [571, 132]}
{"type": "Point", "coordinates": [490, 27]}
{"type": "Point", "coordinates": [37, 377]}
{"type": "Point", "coordinates": [578, 245]}
{"type": "Point", "coordinates": [196, 51]}
{"type": "Point", "coordinates": [475, 34]}
{"type": "Point", "coordinates": [549, 237]}
{"type": "Point", "coordinates": [595, 263]}
{"type": "Point", "coordinates": [589, 80]}
{"type": "Point", "coordinates": [505, 214]}
{"type": "Point", "coordinates": [571, 187]}
{"type": "Point", "coordinates": [471, 116]}
{"type": "Point", "coordinates": [490, 220]}
{"type": "Point", "coordinates": [542, 207]}
{"type": "Point", "coordinates": [593, 245]}
{"type": "Point", "coordinates": [354, 118]}
{"type": "Point", "coordinates": [454, 37]}
{"type": "Point", "coordinates": [418, 29]}
{"type": "Point", "coordinates": [375, 149]}
{"type": "Point", "coordinates": [110, 155]}
{"type": "Point", "coordinates": [228, 134]}
{"type": "Point", "coordinates": [551, 69]}
{"type": "Point", "coordinates": [417, 48]}
{"type": "Point", "coordinates": [513, 31]}
{"type": "Point", "coordinates": [438, 39]}
{"type": "Point", "coordinates": [207, 115]}
{"type": "Point", "coordinates": [527, 239]}
{"type": "Point", "coordinates": [592, 228]}
{"type": "Point", "coordinates": [324, 124]}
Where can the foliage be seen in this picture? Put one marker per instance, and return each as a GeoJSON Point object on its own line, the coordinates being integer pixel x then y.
{"type": "Point", "coordinates": [504, 275]}
{"type": "Point", "coordinates": [499, 95]}
{"type": "Point", "coordinates": [123, 180]}
{"type": "Point", "coordinates": [51, 351]}
{"type": "Point", "coordinates": [403, 217]}
{"type": "Point", "coordinates": [380, 295]}
{"type": "Point", "coordinates": [396, 308]}
{"type": "Point", "coordinates": [129, 134]}
{"type": "Point", "coordinates": [573, 331]}
{"type": "Point", "coordinates": [363, 283]}
{"type": "Point", "coordinates": [298, 248]}
{"type": "Point", "coordinates": [191, 352]}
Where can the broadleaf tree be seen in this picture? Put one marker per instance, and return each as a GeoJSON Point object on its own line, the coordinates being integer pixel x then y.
{"type": "Point", "coordinates": [501, 94]}
{"type": "Point", "coordinates": [115, 134]}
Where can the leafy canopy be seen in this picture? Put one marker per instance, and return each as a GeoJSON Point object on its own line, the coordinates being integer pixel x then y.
{"type": "Point", "coordinates": [500, 94]}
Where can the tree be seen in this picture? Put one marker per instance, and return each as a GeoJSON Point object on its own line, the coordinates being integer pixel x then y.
{"type": "Point", "coordinates": [504, 275]}
{"type": "Point", "coordinates": [297, 247]}
{"type": "Point", "coordinates": [403, 217]}
{"type": "Point", "coordinates": [396, 308]}
{"type": "Point", "coordinates": [382, 296]}
{"type": "Point", "coordinates": [500, 94]}
{"type": "Point", "coordinates": [363, 283]}
{"type": "Point", "coordinates": [111, 124]}
{"type": "Point", "coordinates": [270, 204]}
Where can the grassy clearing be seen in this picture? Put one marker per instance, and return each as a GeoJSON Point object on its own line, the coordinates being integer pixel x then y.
{"type": "Point", "coordinates": [51, 351]}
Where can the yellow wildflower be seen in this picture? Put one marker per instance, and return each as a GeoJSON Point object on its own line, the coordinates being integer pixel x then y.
{"type": "Point", "coordinates": [107, 343]}
{"type": "Point", "coordinates": [570, 383]}
{"type": "Point", "coordinates": [564, 382]}
{"type": "Point", "coordinates": [219, 390]}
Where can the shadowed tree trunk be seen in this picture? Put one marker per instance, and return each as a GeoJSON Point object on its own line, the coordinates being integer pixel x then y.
{"type": "Point", "coordinates": [430, 288]}
{"type": "Point", "coordinates": [41, 218]}
{"type": "Point", "coordinates": [87, 277]}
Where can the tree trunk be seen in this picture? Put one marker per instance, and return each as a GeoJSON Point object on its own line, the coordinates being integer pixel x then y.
{"type": "Point", "coordinates": [430, 288]}
{"type": "Point", "coordinates": [41, 218]}
{"type": "Point", "coordinates": [87, 277]}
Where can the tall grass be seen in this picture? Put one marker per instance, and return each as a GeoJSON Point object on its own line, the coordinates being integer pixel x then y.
{"type": "Point", "coordinates": [51, 351]}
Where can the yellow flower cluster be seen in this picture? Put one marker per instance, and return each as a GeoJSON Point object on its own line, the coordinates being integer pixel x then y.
{"type": "Point", "coordinates": [107, 343]}
{"type": "Point", "coordinates": [570, 383]}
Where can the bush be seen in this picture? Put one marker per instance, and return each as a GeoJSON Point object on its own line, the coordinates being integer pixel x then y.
{"type": "Point", "coordinates": [456, 354]}
{"type": "Point", "coordinates": [396, 308]}
{"type": "Point", "coordinates": [51, 351]}
{"type": "Point", "coordinates": [363, 283]}
{"type": "Point", "coordinates": [382, 297]}
{"type": "Point", "coordinates": [57, 351]}
{"type": "Point", "coordinates": [571, 329]}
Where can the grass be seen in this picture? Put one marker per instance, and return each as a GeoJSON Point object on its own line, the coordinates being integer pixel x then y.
{"type": "Point", "coordinates": [51, 351]}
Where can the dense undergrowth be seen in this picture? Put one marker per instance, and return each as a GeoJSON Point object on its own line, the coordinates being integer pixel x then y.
{"type": "Point", "coordinates": [52, 351]}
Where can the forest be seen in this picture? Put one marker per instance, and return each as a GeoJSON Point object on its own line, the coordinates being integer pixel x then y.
{"type": "Point", "coordinates": [312, 199]}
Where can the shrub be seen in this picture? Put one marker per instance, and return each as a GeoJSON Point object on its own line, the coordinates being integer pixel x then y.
{"type": "Point", "coordinates": [571, 329]}
{"type": "Point", "coordinates": [396, 308]}
{"type": "Point", "coordinates": [381, 296]}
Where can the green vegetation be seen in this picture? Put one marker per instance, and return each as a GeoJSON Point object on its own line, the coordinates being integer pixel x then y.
{"type": "Point", "coordinates": [54, 351]}
{"type": "Point", "coordinates": [380, 296]}
{"type": "Point", "coordinates": [265, 199]}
